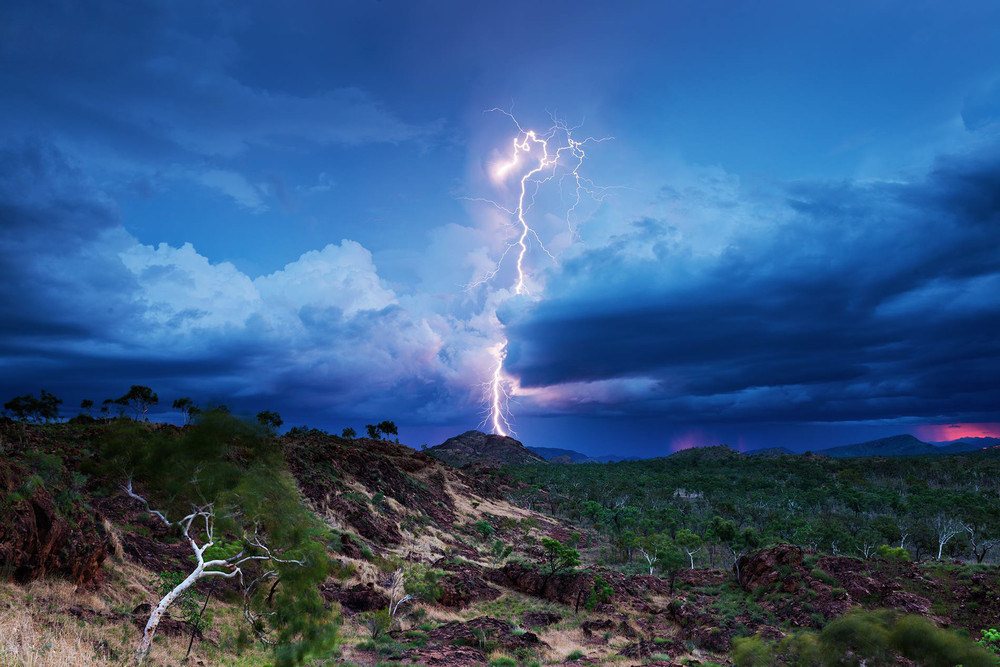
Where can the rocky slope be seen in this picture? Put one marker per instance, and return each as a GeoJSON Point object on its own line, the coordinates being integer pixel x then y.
{"type": "Point", "coordinates": [472, 561]}
{"type": "Point", "coordinates": [483, 448]}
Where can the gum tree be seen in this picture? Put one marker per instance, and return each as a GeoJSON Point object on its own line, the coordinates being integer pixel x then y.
{"type": "Point", "coordinates": [224, 488]}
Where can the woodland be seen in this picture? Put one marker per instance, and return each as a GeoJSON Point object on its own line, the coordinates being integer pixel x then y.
{"type": "Point", "coordinates": [126, 541]}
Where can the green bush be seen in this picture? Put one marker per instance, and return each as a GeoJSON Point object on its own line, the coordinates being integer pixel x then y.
{"type": "Point", "coordinates": [991, 641]}
{"type": "Point", "coordinates": [422, 582]}
{"type": "Point", "coordinates": [825, 577]}
{"type": "Point", "coordinates": [751, 652]}
{"type": "Point", "coordinates": [864, 637]}
{"type": "Point", "coordinates": [894, 554]}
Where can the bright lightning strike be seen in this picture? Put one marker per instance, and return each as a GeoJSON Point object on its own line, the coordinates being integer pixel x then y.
{"type": "Point", "coordinates": [547, 156]}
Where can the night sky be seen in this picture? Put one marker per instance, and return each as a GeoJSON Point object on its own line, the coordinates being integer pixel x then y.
{"type": "Point", "coordinates": [792, 235]}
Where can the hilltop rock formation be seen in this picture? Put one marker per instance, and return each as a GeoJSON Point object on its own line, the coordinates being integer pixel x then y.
{"type": "Point", "coordinates": [484, 448]}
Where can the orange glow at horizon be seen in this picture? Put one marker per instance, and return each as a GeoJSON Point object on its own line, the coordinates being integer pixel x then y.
{"type": "Point", "coordinates": [946, 432]}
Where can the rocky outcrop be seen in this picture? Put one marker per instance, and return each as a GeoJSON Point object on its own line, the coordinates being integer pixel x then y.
{"type": "Point", "coordinates": [569, 588]}
{"type": "Point", "coordinates": [463, 585]}
{"type": "Point", "coordinates": [763, 568]}
{"type": "Point", "coordinates": [484, 448]}
{"type": "Point", "coordinates": [362, 597]}
{"type": "Point", "coordinates": [38, 540]}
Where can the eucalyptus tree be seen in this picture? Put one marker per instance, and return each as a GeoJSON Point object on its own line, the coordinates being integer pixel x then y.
{"type": "Point", "coordinates": [224, 488]}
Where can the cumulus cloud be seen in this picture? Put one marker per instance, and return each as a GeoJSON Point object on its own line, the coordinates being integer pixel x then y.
{"type": "Point", "coordinates": [323, 335]}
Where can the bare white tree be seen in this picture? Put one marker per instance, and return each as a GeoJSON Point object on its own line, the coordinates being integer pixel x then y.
{"type": "Point", "coordinates": [946, 528]}
{"type": "Point", "coordinates": [981, 544]}
{"type": "Point", "coordinates": [198, 530]}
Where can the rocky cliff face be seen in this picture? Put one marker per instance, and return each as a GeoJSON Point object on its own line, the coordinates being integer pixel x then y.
{"type": "Point", "coordinates": [38, 540]}
{"type": "Point", "coordinates": [484, 448]}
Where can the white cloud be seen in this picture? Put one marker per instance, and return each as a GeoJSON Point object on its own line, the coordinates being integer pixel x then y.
{"type": "Point", "coordinates": [342, 277]}
{"type": "Point", "coordinates": [182, 289]}
{"type": "Point", "coordinates": [235, 186]}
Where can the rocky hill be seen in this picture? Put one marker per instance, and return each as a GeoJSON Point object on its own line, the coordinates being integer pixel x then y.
{"type": "Point", "coordinates": [485, 584]}
{"type": "Point", "coordinates": [483, 448]}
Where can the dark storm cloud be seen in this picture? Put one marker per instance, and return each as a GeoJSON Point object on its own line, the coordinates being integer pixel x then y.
{"type": "Point", "coordinates": [54, 283]}
{"type": "Point", "coordinates": [870, 301]}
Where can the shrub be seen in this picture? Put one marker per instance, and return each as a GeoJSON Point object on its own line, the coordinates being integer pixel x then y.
{"type": "Point", "coordinates": [820, 575]}
{"type": "Point", "coordinates": [894, 554]}
{"type": "Point", "coordinates": [377, 623]}
{"type": "Point", "coordinates": [576, 655]}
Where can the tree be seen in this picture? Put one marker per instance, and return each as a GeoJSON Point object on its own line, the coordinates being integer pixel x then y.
{"type": "Point", "coordinates": [86, 404]}
{"type": "Point", "coordinates": [348, 433]}
{"type": "Point", "coordinates": [945, 527]}
{"type": "Point", "coordinates": [689, 541]}
{"type": "Point", "coordinates": [557, 557]}
{"type": "Point", "coordinates": [652, 547]}
{"type": "Point", "coordinates": [372, 431]}
{"type": "Point", "coordinates": [670, 563]}
{"type": "Point", "coordinates": [187, 408]}
{"type": "Point", "coordinates": [140, 398]}
{"type": "Point", "coordinates": [240, 515]}
{"type": "Point", "coordinates": [31, 409]}
{"type": "Point", "coordinates": [388, 428]}
{"type": "Point", "coordinates": [269, 420]}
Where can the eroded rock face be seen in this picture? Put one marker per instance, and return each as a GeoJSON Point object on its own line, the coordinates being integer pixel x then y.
{"type": "Point", "coordinates": [571, 588]}
{"type": "Point", "coordinates": [37, 541]}
{"type": "Point", "coordinates": [463, 585]}
{"type": "Point", "coordinates": [359, 598]}
{"type": "Point", "coordinates": [762, 568]}
{"type": "Point", "coordinates": [484, 628]}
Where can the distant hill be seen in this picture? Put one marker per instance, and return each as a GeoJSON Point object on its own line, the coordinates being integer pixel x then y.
{"type": "Point", "coordinates": [967, 445]}
{"type": "Point", "coordinates": [484, 448]}
{"type": "Point", "coordinates": [907, 445]}
{"type": "Point", "coordinates": [771, 452]}
{"type": "Point", "coordinates": [896, 445]}
{"type": "Point", "coordinates": [706, 453]}
{"type": "Point", "coordinates": [557, 455]}
{"type": "Point", "coordinates": [549, 453]}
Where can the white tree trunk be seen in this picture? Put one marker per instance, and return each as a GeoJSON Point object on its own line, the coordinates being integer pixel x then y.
{"type": "Point", "coordinates": [154, 618]}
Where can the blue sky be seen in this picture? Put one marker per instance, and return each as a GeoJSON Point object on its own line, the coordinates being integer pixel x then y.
{"type": "Point", "coordinates": [279, 208]}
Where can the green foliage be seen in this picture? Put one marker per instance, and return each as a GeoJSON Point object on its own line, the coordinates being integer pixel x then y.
{"type": "Point", "coordinates": [991, 641]}
{"type": "Point", "coordinates": [348, 433]}
{"type": "Point", "coordinates": [27, 408]}
{"type": "Point", "coordinates": [269, 420]}
{"type": "Point", "coordinates": [485, 529]}
{"type": "Point", "coordinates": [500, 552]}
{"type": "Point", "coordinates": [557, 557]}
{"type": "Point", "coordinates": [864, 637]}
{"type": "Point", "coordinates": [846, 506]}
{"type": "Point", "coordinates": [893, 554]}
{"type": "Point", "coordinates": [825, 577]}
{"type": "Point", "coordinates": [600, 592]}
{"type": "Point", "coordinates": [377, 623]}
{"type": "Point", "coordinates": [576, 655]}
{"type": "Point", "coordinates": [237, 467]}
{"type": "Point", "coordinates": [423, 583]}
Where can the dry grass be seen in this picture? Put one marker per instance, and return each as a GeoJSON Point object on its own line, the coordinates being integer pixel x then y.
{"type": "Point", "coordinates": [50, 623]}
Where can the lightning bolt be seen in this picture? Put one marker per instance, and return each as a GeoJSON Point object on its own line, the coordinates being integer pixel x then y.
{"type": "Point", "coordinates": [552, 155]}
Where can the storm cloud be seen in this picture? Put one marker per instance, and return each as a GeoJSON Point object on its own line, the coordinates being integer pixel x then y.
{"type": "Point", "coordinates": [868, 300]}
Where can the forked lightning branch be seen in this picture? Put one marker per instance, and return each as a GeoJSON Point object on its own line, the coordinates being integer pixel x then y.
{"type": "Point", "coordinates": [538, 160]}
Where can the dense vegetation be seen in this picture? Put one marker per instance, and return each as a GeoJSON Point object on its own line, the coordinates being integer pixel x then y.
{"type": "Point", "coordinates": [430, 564]}
{"type": "Point", "coordinates": [714, 503]}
